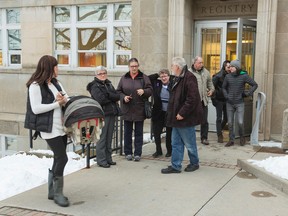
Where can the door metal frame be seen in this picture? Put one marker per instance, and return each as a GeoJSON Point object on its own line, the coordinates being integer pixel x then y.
{"type": "Point", "coordinates": [210, 25]}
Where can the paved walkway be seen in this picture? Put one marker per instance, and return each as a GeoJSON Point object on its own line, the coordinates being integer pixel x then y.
{"type": "Point", "coordinates": [218, 188]}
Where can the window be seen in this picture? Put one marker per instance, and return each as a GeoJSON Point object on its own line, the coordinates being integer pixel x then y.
{"type": "Point", "coordinates": [92, 35]}
{"type": "Point", "coordinates": [10, 37]}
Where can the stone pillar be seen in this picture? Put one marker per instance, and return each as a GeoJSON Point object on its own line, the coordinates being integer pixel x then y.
{"type": "Point", "coordinates": [149, 34]}
{"type": "Point", "coordinates": [36, 34]}
{"type": "Point", "coordinates": [264, 59]}
{"type": "Point", "coordinates": [285, 130]}
{"type": "Point", "coordinates": [180, 25]}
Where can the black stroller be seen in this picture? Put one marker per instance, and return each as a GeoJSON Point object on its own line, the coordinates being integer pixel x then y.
{"type": "Point", "coordinates": [83, 119]}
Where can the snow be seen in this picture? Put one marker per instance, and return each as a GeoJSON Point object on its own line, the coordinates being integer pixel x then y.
{"type": "Point", "coordinates": [24, 170]}
{"type": "Point", "coordinates": [278, 166]}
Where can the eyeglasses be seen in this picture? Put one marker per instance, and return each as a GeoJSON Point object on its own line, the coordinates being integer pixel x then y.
{"type": "Point", "coordinates": [134, 66]}
{"type": "Point", "coordinates": [101, 74]}
{"type": "Point", "coordinates": [163, 77]}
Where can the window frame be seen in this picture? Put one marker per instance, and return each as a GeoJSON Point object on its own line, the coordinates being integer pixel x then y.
{"type": "Point", "coordinates": [4, 28]}
{"type": "Point", "coordinates": [74, 25]}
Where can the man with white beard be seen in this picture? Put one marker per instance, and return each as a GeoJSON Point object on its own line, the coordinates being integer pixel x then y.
{"type": "Point", "coordinates": [184, 112]}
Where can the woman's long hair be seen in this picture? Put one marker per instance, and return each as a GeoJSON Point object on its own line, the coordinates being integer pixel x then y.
{"type": "Point", "coordinates": [44, 71]}
{"type": "Point", "coordinates": [224, 64]}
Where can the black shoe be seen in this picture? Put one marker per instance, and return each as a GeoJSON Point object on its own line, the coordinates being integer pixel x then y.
{"type": "Point", "coordinates": [205, 142]}
{"type": "Point", "coordinates": [104, 165]}
{"type": "Point", "coordinates": [220, 138]}
{"type": "Point", "coordinates": [191, 168]}
{"type": "Point", "coordinates": [230, 143]}
{"type": "Point", "coordinates": [156, 154]}
{"type": "Point", "coordinates": [242, 141]}
{"type": "Point", "coordinates": [112, 163]}
{"type": "Point", "coordinates": [168, 155]}
{"type": "Point", "coordinates": [169, 170]}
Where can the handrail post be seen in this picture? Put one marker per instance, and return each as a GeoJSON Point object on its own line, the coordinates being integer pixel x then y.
{"type": "Point", "coordinates": [261, 99]}
{"type": "Point", "coordinates": [31, 139]}
{"type": "Point", "coordinates": [3, 146]}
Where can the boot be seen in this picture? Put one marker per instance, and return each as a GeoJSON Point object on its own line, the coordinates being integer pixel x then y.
{"type": "Point", "coordinates": [50, 185]}
{"type": "Point", "coordinates": [242, 141]}
{"type": "Point", "coordinates": [220, 138]}
{"type": "Point", "coordinates": [230, 143]}
{"type": "Point", "coordinates": [58, 192]}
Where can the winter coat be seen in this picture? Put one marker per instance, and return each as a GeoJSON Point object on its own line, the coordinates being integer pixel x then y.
{"type": "Point", "coordinates": [234, 87]}
{"type": "Point", "coordinates": [157, 103]}
{"type": "Point", "coordinates": [105, 94]}
{"type": "Point", "coordinates": [204, 83]}
{"type": "Point", "coordinates": [42, 122]}
{"type": "Point", "coordinates": [134, 109]}
{"type": "Point", "coordinates": [218, 80]}
{"type": "Point", "coordinates": [184, 100]}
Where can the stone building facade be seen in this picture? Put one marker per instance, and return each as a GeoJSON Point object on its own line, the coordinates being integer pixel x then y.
{"type": "Point", "coordinates": [161, 29]}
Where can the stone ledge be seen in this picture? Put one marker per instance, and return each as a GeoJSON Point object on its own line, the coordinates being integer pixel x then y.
{"type": "Point", "coordinates": [279, 183]}
{"type": "Point", "coordinates": [12, 117]}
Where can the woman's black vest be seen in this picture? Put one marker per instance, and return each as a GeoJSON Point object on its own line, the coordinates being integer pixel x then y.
{"type": "Point", "coordinates": [40, 122]}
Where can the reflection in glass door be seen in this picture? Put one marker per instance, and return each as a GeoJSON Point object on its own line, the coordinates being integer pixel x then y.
{"type": "Point", "coordinates": [248, 45]}
{"type": "Point", "coordinates": [210, 45]}
{"type": "Point", "coordinates": [211, 48]}
{"type": "Point", "coordinates": [241, 36]}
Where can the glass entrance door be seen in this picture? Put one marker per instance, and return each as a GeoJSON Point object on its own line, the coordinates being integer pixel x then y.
{"type": "Point", "coordinates": [217, 41]}
{"type": "Point", "coordinates": [210, 43]}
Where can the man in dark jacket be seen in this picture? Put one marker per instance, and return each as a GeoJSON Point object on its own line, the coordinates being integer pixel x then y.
{"type": "Point", "coordinates": [219, 100]}
{"type": "Point", "coordinates": [234, 92]}
{"type": "Point", "coordinates": [183, 114]}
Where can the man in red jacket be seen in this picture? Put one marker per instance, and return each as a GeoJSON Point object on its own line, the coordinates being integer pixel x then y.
{"type": "Point", "coordinates": [184, 112]}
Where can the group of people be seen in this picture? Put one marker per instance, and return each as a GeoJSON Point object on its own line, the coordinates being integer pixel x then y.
{"type": "Point", "coordinates": [180, 102]}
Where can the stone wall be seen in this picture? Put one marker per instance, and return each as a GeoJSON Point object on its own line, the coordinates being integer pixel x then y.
{"type": "Point", "coordinates": [280, 96]}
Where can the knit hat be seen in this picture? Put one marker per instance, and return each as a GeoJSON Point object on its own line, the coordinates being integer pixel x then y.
{"type": "Point", "coordinates": [236, 63]}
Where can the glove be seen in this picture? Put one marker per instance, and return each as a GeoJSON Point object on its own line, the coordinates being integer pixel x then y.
{"type": "Point", "coordinates": [244, 94]}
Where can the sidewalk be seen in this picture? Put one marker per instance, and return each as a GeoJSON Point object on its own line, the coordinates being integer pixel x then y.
{"type": "Point", "coordinates": [218, 188]}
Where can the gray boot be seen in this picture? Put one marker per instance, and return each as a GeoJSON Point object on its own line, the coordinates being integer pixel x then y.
{"type": "Point", "coordinates": [50, 185]}
{"type": "Point", "coordinates": [58, 192]}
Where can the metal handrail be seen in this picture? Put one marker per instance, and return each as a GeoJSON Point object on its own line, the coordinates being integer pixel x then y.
{"type": "Point", "coordinates": [261, 100]}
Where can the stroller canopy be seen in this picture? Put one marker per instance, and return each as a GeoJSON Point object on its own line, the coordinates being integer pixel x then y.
{"type": "Point", "coordinates": [81, 108]}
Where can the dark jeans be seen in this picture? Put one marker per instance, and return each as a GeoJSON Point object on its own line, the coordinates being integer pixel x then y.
{"type": "Point", "coordinates": [221, 116]}
{"type": "Point", "coordinates": [58, 146]}
{"type": "Point", "coordinates": [138, 140]}
{"type": "Point", "coordinates": [103, 147]}
{"type": "Point", "coordinates": [236, 110]}
{"type": "Point", "coordinates": [157, 131]}
{"type": "Point", "coordinates": [204, 124]}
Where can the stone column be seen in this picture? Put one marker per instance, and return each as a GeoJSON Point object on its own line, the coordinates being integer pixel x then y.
{"type": "Point", "coordinates": [285, 130]}
{"type": "Point", "coordinates": [36, 34]}
{"type": "Point", "coordinates": [180, 24]}
{"type": "Point", "coordinates": [264, 59]}
{"type": "Point", "coordinates": [149, 34]}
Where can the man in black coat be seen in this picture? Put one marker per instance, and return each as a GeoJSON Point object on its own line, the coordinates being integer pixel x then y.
{"type": "Point", "coordinates": [183, 114]}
